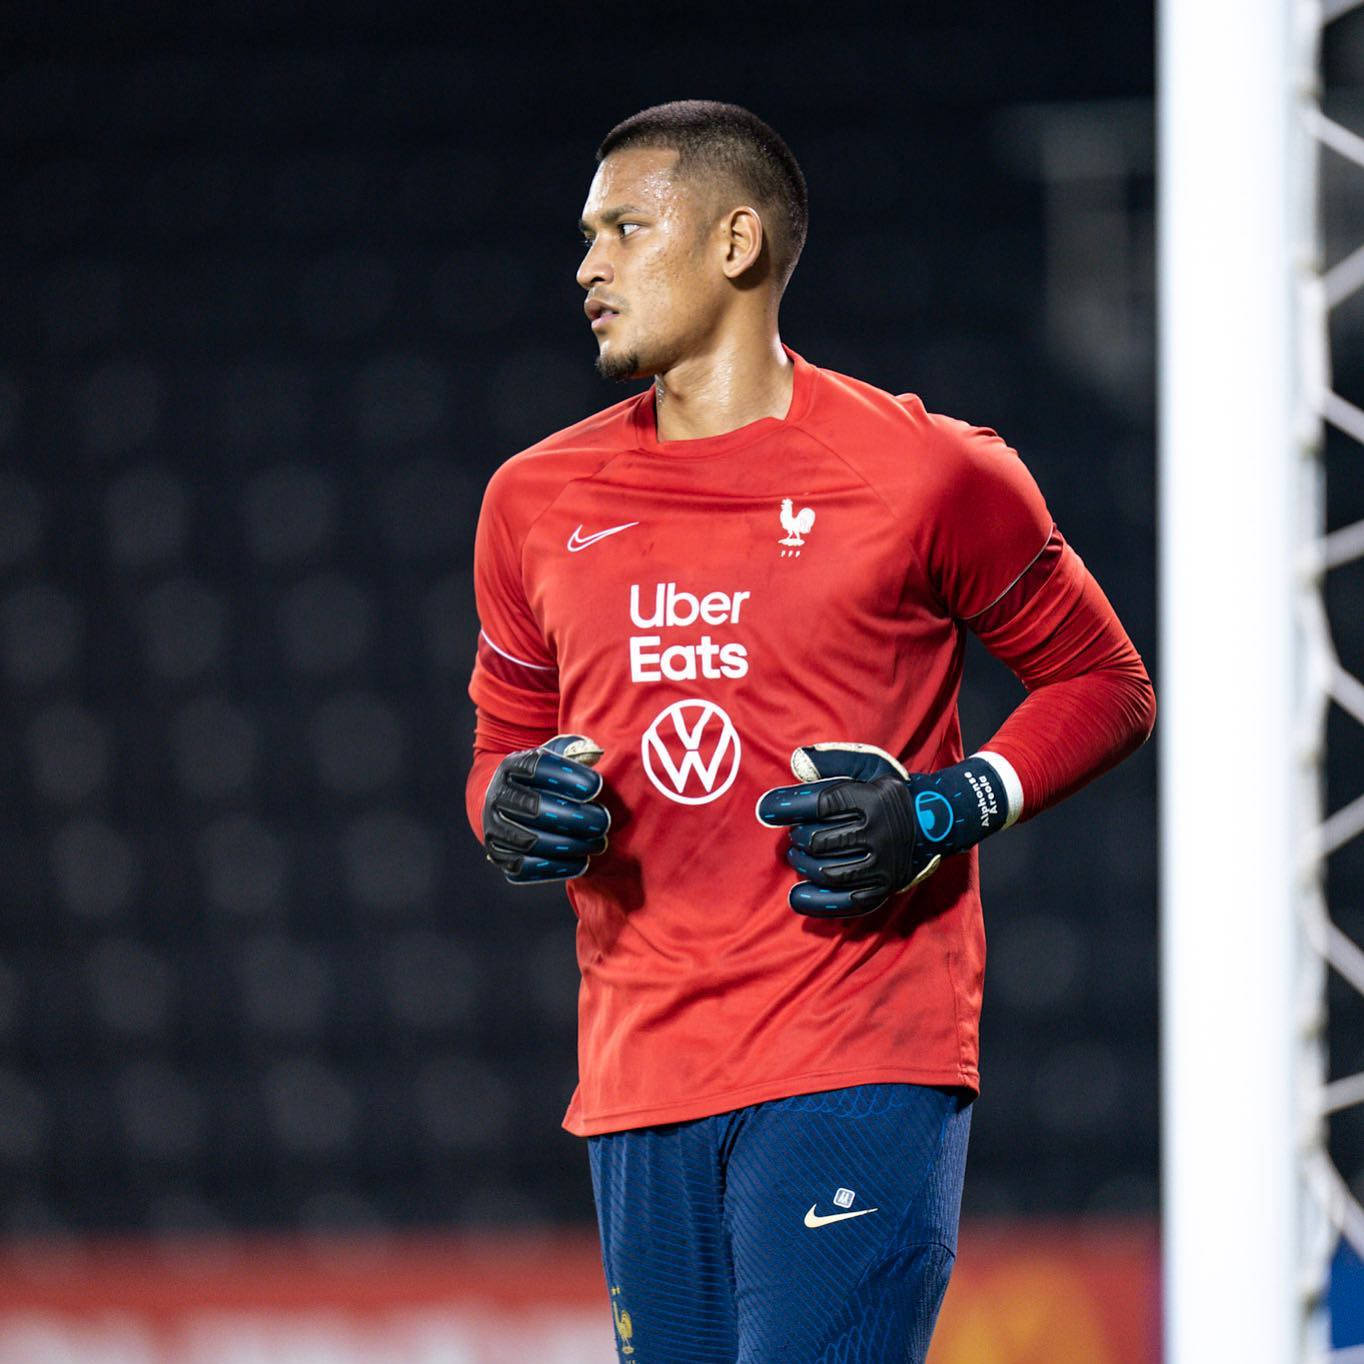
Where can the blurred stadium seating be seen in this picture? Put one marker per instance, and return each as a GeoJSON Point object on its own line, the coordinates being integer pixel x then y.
{"type": "Point", "coordinates": [278, 296]}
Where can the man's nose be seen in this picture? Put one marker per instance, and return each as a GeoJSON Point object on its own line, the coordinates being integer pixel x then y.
{"type": "Point", "coordinates": [595, 268]}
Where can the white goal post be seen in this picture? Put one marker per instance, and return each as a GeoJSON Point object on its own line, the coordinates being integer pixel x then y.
{"type": "Point", "coordinates": [1252, 1203]}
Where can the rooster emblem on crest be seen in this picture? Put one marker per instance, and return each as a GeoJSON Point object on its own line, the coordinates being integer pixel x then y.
{"type": "Point", "coordinates": [625, 1328]}
{"type": "Point", "coordinates": [796, 524]}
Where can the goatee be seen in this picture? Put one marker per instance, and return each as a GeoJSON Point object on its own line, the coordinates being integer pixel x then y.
{"type": "Point", "coordinates": [618, 368]}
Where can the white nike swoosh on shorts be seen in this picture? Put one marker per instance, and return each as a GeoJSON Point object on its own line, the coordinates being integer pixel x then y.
{"type": "Point", "coordinates": [812, 1219]}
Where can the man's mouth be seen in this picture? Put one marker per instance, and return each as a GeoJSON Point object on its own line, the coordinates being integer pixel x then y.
{"type": "Point", "coordinates": [599, 313]}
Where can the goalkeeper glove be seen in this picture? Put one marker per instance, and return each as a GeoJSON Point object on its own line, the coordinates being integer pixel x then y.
{"type": "Point", "coordinates": [862, 828]}
{"type": "Point", "coordinates": [541, 821]}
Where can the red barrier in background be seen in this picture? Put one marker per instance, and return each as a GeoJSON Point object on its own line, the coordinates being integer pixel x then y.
{"type": "Point", "coordinates": [1022, 1293]}
{"type": "Point", "coordinates": [1052, 1293]}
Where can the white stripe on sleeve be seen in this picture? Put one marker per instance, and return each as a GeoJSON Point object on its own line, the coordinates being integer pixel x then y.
{"type": "Point", "coordinates": [539, 667]}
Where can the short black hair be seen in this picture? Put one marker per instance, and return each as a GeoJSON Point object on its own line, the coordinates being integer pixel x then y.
{"type": "Point", "coordinates": [727, 140]}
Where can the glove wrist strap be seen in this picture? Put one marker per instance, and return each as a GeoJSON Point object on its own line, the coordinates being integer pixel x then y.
{"type": "Point", "coordinates": [958, 806]}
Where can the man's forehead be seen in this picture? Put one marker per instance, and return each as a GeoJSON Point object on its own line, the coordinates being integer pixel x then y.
{"type": "Point", "coordinates": [641, 176]}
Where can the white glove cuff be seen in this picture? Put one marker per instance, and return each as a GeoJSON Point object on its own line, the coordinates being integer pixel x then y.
{"type": "Point", "coordinates": [1013, 788]}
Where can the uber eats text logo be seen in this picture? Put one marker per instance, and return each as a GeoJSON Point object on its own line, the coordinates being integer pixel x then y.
{"type": "Point", "coordinates": [664, 605]}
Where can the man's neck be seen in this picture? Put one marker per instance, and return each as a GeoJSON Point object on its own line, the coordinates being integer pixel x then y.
{"type": "Point", "coordinates": [723, 390]}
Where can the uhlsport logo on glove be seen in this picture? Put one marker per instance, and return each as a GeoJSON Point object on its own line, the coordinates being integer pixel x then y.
{"type": "Point", "coordinates": [691, 751]}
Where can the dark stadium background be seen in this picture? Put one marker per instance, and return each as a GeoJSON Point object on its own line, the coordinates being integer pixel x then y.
{"type": "Point", "coordinates": [281, 285]}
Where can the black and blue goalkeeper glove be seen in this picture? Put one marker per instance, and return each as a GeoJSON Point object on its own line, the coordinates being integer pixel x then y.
{"type": "Point", "coordinates": [541, 821]}
{"type": "Point", "coordinates": [862, 828]}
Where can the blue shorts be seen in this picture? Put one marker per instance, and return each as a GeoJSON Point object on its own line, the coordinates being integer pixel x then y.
{"type": "Point", "coordinates": [808, 1230]}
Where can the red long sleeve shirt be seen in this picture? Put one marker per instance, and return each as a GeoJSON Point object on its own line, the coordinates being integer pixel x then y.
{"type": "Point", "coordinates": [700, 608]}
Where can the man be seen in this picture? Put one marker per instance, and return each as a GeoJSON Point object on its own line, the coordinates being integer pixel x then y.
{"type": "Point", "coordinates": [752, 556]}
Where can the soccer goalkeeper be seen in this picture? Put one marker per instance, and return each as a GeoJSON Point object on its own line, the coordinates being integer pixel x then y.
{"type": "Point", "coordinates": [716, 688]}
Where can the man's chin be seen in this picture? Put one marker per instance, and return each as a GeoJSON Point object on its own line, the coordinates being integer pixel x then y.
{"type": "Point", "coordinates": [620, 366]}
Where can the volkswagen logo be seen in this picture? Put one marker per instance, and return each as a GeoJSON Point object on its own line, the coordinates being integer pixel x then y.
{"type": "Point", "coordinates": [691, 752]}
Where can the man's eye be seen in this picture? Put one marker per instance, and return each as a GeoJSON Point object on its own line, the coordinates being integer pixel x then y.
{"type": "Point", "coordinates": [624, 229]}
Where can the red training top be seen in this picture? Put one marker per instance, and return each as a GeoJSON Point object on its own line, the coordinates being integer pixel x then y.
{"type": "Point", "coordinates": [700, 608]}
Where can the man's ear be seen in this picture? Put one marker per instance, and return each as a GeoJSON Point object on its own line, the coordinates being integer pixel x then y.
{"type": "Point", "coordinates": [744, 237]}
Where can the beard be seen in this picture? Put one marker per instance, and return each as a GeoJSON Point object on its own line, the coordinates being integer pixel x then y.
{"type": "Point", "coordinates": [619, 367]}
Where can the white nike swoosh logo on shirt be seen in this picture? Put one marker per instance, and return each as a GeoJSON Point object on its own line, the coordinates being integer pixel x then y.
{"type": "Point", "coordinates": [813, 1220]}
{"type": "Point", "coordinates": [578, 540]}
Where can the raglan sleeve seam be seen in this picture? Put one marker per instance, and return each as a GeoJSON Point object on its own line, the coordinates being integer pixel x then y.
{"type": "Point", "coordinates": [897, 516]}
